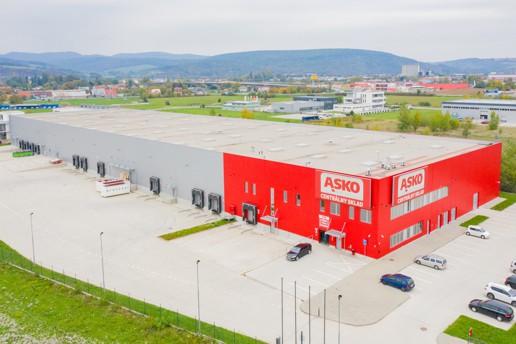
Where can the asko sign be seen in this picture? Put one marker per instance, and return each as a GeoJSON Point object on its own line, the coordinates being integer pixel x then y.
{"type": "Point", "coordinates": [345, 189]}
{"type": "Point", "coordinates": [408, 186]}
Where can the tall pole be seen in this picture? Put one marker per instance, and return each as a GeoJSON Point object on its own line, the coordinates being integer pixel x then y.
{"type": "Point", "coordinates": [324, 318]}
{"type": "Point", "coordinates": [340, 296]}
{"type": "Point", "coordinates": [102, 261]}
{"type": "Point", "coordinates": [282, 310]}
{"type": "Point", "coordinates": [32, 236]}
{"type": "Point", "coordinates": [295, 311]}
{"type": "Point", "coordinates": [198, 298]}
{"type": "Point", "coordinates": [309, 318]}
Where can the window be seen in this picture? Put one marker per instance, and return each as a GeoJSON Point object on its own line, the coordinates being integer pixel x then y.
{"type": "Point", "coordinates": [335, 208]}
{"type": "Point", "coordinates": [254, 189]}
{"type": "Point", "coordinates": [321, 206]}
{"type": "Point", "coordinates": [351, 212]}
{"type": "Point", "coordinates": [419, 202]}
{"type": "Point", "coordinates": [365, 215]}
{"type": "Point", "coordinates": [406, 234]}
{"type": "Point", "coordinates": [285, 196]}
{"type": "Point", "coordinates": [298, 200]}
{"type": "Point", "coordinates": [246, 187]}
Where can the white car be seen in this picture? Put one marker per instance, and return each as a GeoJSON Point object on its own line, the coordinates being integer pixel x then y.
{"type": "Point", "coordinates": [500, 292]}
{"type": "Point", "coordinates": [477, 231]}
{"type": "Point", "coordinates": [513, 266]}
{"type": "Point", "coordinates": [432, 260]}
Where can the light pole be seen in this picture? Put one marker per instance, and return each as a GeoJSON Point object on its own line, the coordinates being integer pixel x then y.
{"type": "Point", "coordinates": [102, 261]}
{"type": "Point", "coordinates": [32, 236]}
{"type": "Point", "coordinates": [340, 297]}
{"type": "Point", "coordinates": [198, 298]}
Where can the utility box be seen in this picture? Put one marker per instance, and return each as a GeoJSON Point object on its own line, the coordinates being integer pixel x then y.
{"type": "Point", "coordinates": [215, 203]}
{"type": "Point", "coordinates": [75, 161]}
{"type": "Point", "coordinates": [155, 185]}
{"type": "Point", "coordinates": [84, 163]}
{"type": "Point", "coordinates": [249, 213]}
{"type": "Point", "coordinates": [198, 198]}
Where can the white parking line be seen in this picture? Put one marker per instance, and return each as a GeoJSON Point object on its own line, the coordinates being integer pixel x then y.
{"type": "Point", "coordinates": [461, 252]}
{"type": "Point", "coordinates": [452, 256]}
{"type": "Point", "coordinates": [424, 269]}
{"type": "Point", "coordinates": [469, 247]}
{"type": "Point", "coordinates": [327, 274]}
{"type": "Point", "coordinates": [336, 266]}
{"type": "Point", "coordinates": [315, 281]}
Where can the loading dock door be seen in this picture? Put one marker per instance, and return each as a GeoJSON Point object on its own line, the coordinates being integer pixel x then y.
{"type": "Point", "coordinates": [198, 198]}
{"type": "Point", "coordinates": [249, 213]}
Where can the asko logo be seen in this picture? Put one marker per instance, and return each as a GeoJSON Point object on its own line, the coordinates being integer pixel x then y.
{"type": "Point", "coordinates": [411, 182]}
{"type": "Point", "coordinates": [341, 185]}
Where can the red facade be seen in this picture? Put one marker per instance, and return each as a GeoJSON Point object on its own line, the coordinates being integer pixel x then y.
{"type": "Point", "coordinates": [294, 195]}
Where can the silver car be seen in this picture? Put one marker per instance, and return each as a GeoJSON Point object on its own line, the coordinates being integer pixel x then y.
{"type": "Point", "coordinates": [432, 260]}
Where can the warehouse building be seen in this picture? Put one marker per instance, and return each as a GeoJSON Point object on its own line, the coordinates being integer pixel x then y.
{"type": "Point", "coordinates": [297, 106]}
{"type": "Point", "coordinates": [481, 108]}
{"type": "Point", "coordinates": [328, 101]}
{"type": "Point", "coordinates": [367, 191]}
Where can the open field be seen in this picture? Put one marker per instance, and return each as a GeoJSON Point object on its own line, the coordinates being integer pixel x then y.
{"type": "Point", "coordinates": [435, 101]}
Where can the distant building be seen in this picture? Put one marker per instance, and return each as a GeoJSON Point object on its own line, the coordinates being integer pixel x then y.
{"type": "Point", "coordinates": [362, 102]}
{"type": "Point", "coordinates": [297, 106]}
{"type": "Point", "coordinates": [238, 105]}
{"type": "Point", "coordinates": [481, 108]}
{"type": "Point", "coordinates": [328, 101]}
{"type": "Point", "coordinates": [410, 70]}
{"type": "Point", "coordinates": [103, 91]}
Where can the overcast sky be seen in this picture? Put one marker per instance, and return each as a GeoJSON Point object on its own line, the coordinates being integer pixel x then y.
{"type": "Point", "coordinates": [427, 31]}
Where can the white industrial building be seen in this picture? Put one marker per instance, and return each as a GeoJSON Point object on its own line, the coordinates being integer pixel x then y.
{"type": "Point", "coordinates": [297, 106]}
{"type": "Point", "coordinates": [481, 108]}
{"type": "Point", "coordinates": [362, 102]}
{"type": "Point", "coordinates": [410, 70]}
{"type": "Point", "coordinates": [239, 105]}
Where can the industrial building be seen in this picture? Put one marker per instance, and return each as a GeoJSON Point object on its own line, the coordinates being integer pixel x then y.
{"type": "Point", "coordinates": [328, 101]}
{"type": "Point", "coordinates": [297, 106]}
{"type": "Point", "coordinates": [368, 191]}
{"type": "Point", "coordinates": [481, 108]}
{"type": "Point", "coordinates": [362, 102]}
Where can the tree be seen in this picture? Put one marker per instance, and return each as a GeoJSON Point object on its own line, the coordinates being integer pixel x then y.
{"type": "Point", "coordinates": [467, 125]}
{"type": "Point", "coordinates": [404, 118]}
{"type": "Point", "coordinates": [246, 114]}
{"type": "Point", "coordinates": [212, 112]}
{"type": "Point", "coordinates": [508, 168]}
{"type": "Point", "coordinates": [416, 121]}
{"type": "Point", "coordinates": [494, 121]}
{"type": "Point", "coordinates": [15, 99]}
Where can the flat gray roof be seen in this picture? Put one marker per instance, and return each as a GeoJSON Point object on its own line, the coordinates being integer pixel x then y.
{"type": "Point", "coordinates": [342, 150]}
{"type": "Point", "coordinates": [506, 102]}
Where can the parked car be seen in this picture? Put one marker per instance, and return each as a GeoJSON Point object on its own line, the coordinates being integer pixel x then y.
{"type": "Point", "coordinates": [432, 260]}
{"type": "Point", "coordinates": [299, 251]}
{"type": "Point", "coordinates": [400, 281]}
{"type": "Point", "coordinates": [513, 266]}
{"type": "Point", "coordinates": [511, 281]}
{"type": "Point", "coordinates": [477, 231]}
{"type": "Point", "coordinates": [500, 292]}
{"type": "Point", "coordinates": [492, 308]}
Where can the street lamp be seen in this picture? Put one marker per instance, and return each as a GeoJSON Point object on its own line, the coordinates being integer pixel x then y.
{"type": "Point", "coordinates": [32, 236]}
{"type": "Point", "coordinates": [198, 297]}
{"type": "Point", "coordinates": [102, 261]}
{"type": "Point", "coordinates": [340, 297]}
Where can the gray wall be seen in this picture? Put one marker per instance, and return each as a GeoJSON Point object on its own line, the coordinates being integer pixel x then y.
{"type": "Point", "coordinates": [178, 167]}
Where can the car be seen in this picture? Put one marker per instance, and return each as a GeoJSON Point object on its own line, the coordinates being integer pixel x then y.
{"type": "Point", "coordinates": [513, 266]}
{"type": "Point", "coordinates": [400, 281]}
{"type": "Point", "coordinates": [511, 281]}
{"type": "Point", "coordinates": [432, 260]}
{"type": "Point", "coordinates": [477, 231]}
{"type": "Point", "coordinates": [500, 292]}
{"type": "Point", "coordinates": [492, 308]}
{"type": "Point", "coordinates": [299, 251]}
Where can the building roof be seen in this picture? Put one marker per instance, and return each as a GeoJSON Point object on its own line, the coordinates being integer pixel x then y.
{"type": "Point", "coordinates": [344, 150]}
{"type": "Point", "coordinates": [497, 102]}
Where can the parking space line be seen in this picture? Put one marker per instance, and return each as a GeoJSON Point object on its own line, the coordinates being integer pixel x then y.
{"type": "Point", "coordinates": [329, 275]}
{"type": "Point", "coordinates": [452, 256]}
{"type": "Point", "coordinates": [422, 280]}
{"type": "Point", "coordinates": [461, 252]}
{"type": "Point", "coordinates": [481, 243]}
{"type": "Point", "coordinates": [476, 249]}
{"type": "Point", "coordinates": [315, 281]}
{"type": "Point", "coordinates": [423, 270]}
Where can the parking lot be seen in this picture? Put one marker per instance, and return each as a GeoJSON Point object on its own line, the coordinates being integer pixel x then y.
{"type": "Point", "coordinates": [241, 268]}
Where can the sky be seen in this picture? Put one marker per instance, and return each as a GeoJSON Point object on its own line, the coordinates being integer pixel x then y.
{"type": "Point", "coordinates": [428, 31]}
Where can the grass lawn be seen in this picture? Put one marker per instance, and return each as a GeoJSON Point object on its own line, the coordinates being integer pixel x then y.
{"type": "Point", "coordinates": [56, 310]}
{"type": "Point", "coordinates": [435, 101]}
{"type": "Point", "coordinates": [193, 230]}
{"type": "Point", "coordinates": [474, 221]}
{"type": "Point", "coordinates": [510, 199]}
{"type": "Point", "coordinates": [481, 331]}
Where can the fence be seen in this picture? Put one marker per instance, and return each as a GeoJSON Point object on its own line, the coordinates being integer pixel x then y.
{"type": "Point", "coordinates": [162, 315]}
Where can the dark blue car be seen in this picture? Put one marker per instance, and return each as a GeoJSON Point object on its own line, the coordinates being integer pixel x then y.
{"type": "Point", "coordinates": [400, 281]}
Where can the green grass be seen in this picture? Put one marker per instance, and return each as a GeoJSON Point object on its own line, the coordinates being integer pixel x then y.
{"type": "Point", "coordinates": [481, 331]}
{"type": "Point", "coordinates": [510, 199]}
{"type": "Point", "coordinates": [435, 101]}
{"type": "Point", "coordinates": [474, 221]}
{"type": "Point", "coordinates": [55, 309]}
{"type": "Point", "coordinates": [193, 230]}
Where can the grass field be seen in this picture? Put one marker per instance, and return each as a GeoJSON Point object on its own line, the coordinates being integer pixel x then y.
{"type": "Point", "coordinates": [70, 316]}
{"type": "Point", "coordinates": [481, 331]}
{"type": "Point", "coordinates": [435, 101]}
